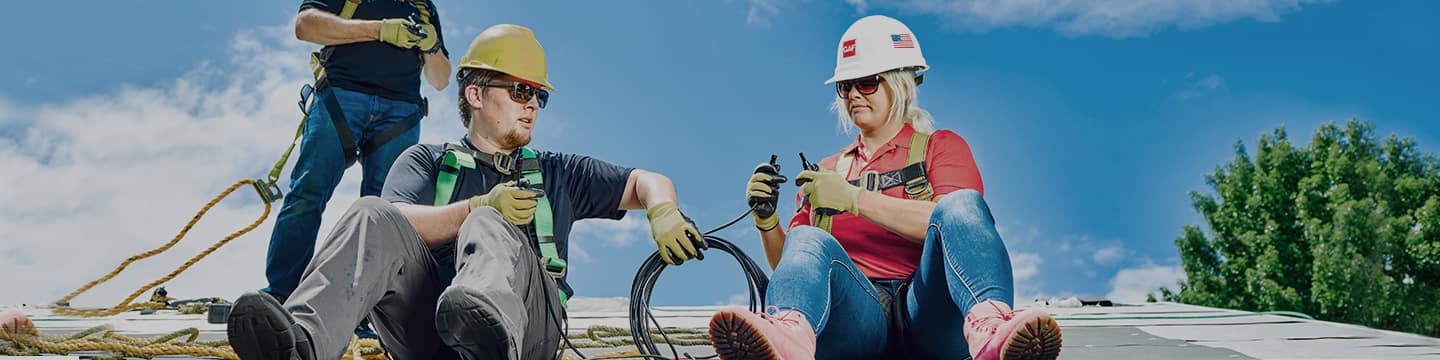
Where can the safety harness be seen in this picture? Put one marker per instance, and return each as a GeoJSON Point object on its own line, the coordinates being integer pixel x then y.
{"type": "Point", "coordinates": [912, 177]}
{"type": "Point", "coordinates": [526, 171]}
{"type": "Point", "coordinates": [269, 189]}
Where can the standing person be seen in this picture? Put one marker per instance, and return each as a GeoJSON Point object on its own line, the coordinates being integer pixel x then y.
{"type": "Point", "coordinates": [894, 253]}
{"type": "Point", "coordinates": [465, 253]}
{"type": "Point", "coordinates": [367, 110]}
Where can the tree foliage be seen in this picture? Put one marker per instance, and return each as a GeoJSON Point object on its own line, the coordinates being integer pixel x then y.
{"type": "Point", "coordinates": [1346, 228]}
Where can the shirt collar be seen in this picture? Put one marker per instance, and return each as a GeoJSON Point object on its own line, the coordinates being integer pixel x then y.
{"type": "Point", "coordinates": [900, 141]}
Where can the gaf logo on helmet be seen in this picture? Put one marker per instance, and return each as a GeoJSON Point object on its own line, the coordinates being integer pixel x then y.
{"type": "Point", "coordinates": [847, 48]}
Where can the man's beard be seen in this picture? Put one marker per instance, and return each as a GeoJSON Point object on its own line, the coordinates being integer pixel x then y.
{"type": "Point", "coordinates": [514, 140]}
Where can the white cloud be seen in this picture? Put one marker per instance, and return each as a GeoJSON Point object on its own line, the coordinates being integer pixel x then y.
{"type": "Point", "coordinates": [1108, 255]}
{"type": "Point", "coordinates": [1025, 265]}
{"type": "Point", "coordinates": [860, 5]}
{"type": "Point", "coordinates": [737, 299]}
{"type": "Point", "coordinates": [1111, 18]}
{"type": "Point", "coordinates": [613, 233]}
{"type": "Point", "coordinates": [93, 180]}
{"type": "Point", "coordinates": [1195, 87]}
{"type": "Point", "coordinates": [761, 11]}
{"type": "Point", "coordinates": [1131, 285]}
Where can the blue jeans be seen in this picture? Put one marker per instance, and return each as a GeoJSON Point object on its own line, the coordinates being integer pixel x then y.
{"type": "Point", "coordinates": [318, 170]}
{"type": "Point", "coordinates": [963, 263]}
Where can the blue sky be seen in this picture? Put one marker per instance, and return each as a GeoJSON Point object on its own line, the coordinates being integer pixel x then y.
{"type": "Point", "coordinates": [1090, 122]}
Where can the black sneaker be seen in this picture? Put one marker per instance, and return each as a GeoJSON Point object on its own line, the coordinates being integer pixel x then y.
{"type": "Point", "coordinates": [471, 326]}
{"type": "Point", "coordinates": [259, 328]}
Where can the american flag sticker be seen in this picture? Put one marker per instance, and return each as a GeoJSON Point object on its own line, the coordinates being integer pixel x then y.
{"type": "Point", "coordinates": [902, 41]}
{"type": "Point", "coordinates": [847, 48]}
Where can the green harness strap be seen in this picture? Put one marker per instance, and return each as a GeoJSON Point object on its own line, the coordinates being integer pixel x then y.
{"type": "Point", "coordinates": [458, 157]}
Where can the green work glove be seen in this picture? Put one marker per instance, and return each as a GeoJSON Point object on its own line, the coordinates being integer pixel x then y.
{"type": "Point", "coordinates": [397, 32]}
{"type": "Point", "coordinates": [516, 204]}
{"type": "Point", "coordinates": [677, 238]}
{"type": "Point", "coordinates": [829, 190]}
{"type": "Point", "coordinates": [431, 39]}
{"type": "Point", "coordinates": [763, 193]}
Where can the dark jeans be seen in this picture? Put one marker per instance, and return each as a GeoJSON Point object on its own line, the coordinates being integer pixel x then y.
{"type": "Point", "coordinates": [318, 170]}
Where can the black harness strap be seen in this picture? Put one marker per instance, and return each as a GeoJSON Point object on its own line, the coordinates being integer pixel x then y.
{"type": "Point", "coordinates": [342, 128]}
{"type": "Point", "coordinates": [395, 130]}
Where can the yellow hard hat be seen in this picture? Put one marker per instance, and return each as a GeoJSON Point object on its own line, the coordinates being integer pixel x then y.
{"type": "Point", "coordinates": [510, 49]}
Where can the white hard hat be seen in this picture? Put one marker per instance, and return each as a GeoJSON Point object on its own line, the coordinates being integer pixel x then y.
{"type": "Point", "coordinates": [876, 44]}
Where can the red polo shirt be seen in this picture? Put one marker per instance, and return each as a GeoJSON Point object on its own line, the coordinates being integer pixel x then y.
{"type": "Point", "coordinates": [879, 253]}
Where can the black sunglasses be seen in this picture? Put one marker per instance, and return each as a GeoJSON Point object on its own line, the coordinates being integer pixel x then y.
{"type": "Point", "coordinates": [522, 92]}
{"type": "Point", "coordinates": [866, 85]}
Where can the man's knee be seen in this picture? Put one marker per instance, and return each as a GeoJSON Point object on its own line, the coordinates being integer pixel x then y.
{"type": "Point", "coordinates": [373, 207]}
{"type": "Point", "coordinates": [963, 207]}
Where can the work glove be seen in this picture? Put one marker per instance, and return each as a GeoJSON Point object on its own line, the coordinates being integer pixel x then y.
{"type": "Point", "coordinates": [828, 190]}
{"type": "Point", "coordinates": [432, 38]}
{"type": "Point", "coordinates": [763, 193]}
{"type": "Point", "coordinates": [516, 204]}
{"type": "Point", "coordinates": [399, 32]}
{"type": "Point", "coordinates": [675, 236]}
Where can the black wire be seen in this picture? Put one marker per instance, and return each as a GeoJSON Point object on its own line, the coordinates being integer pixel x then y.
{"type": "Point", "coordinates": [643, 285]}
{"type": "Point", "coordinates": [649, 273]}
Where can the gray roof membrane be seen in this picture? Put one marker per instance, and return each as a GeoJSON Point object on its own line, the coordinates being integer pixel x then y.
{"type": "Point", "coordinates": [1146, 331]}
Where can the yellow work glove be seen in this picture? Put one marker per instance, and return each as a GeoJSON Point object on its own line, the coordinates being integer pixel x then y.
{"type": "Point", "coordinates": [675, 236]}
{"type": "Point", "coordinates": [828, 190]}
{"type": "Point", "coordinates": [397, 32]}
{"type": "Point", "coordinates": [516, 204]}
{"type": "Point", "coordinates": [762, 192]}
{"type": "Point", "coordinates": [431, 39]}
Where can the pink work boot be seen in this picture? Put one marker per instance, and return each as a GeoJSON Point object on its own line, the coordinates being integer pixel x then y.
{"type": "Point", "coordinates": [994, 332]}
{"type": "Point", "coordinates": [739, 334]}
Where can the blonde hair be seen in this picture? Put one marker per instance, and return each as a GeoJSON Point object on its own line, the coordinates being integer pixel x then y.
{"type": "Point", "coordinates": [904, 103]}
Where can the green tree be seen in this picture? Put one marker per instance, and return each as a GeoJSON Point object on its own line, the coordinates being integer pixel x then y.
{"type": "Point", "coordinates": [1346, 228]}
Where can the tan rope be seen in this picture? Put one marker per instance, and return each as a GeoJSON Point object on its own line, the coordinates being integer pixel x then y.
{"type": "Point", "coordinates": [63, 307]}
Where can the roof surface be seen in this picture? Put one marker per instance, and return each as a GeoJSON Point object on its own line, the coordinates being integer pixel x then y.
{"type": "Point", "coordinates": [1156, 330]}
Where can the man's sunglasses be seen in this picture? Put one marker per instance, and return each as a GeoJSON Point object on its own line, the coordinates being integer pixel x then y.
{"type": "Point", "coordinates": [522, 92]}
{"type": "Point", "coordinates": [866, 85]}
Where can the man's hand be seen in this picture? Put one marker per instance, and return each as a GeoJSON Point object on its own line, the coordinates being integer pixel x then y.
{"type": "Point", "coordinates": [397, 32]}
{"type": "Point", "coordinates": [516, 204]}
{"type": "Point", "coordinates": [762, 192]}
{"type": "Point", "coordinates": [432, 38]}
{"type": "Point", "coordinates": [828, 190]}
{"type": "Point", "coordinates": [675, 236]}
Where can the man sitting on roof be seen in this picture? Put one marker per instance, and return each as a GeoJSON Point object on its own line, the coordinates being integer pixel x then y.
{"type": "Point", "coordinates": [466, 252]}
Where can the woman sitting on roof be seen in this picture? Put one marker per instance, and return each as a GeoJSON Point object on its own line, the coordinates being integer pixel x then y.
{"type": "Point", "coordinates": [894, 252]}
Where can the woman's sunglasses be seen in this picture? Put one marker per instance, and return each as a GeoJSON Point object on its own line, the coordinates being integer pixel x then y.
{"type": "Point", "coordinates": [522, 92]}
{"type": "Point", "coordinates": [866, 85]}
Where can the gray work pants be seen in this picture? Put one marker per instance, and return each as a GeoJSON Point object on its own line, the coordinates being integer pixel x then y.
{"type": "Point", "coordinates": [375, 263]}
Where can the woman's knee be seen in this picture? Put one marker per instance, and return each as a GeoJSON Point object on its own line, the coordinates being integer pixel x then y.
{"type": "Point", "coordinates": [962, 208]}
{"type": "Point", "coordinates": [809, 239]}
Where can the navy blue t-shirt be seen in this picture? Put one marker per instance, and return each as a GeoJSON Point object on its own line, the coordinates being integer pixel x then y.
{"type": "Point", "coordinates": [374, 67]}
{"type": "Point", "coordinates": [579, 187]}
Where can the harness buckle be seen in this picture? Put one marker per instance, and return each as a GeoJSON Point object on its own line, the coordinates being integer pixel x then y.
{"type": "Point", "coordinates": [269, 191]}
{"type": "Point", "coordinates": [554, 266]}
{"type": "Point", "coordinates": [870, 180]}
{"type": "Point", "coordinates": [917, 188]}
{"type": "Point", "coordinates": [503, 163]}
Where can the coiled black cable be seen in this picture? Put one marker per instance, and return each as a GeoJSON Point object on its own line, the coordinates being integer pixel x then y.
{"type": "Point", "coordinates": [644, 283]}
{"type": "Point", "coordinates": [649, 273]}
